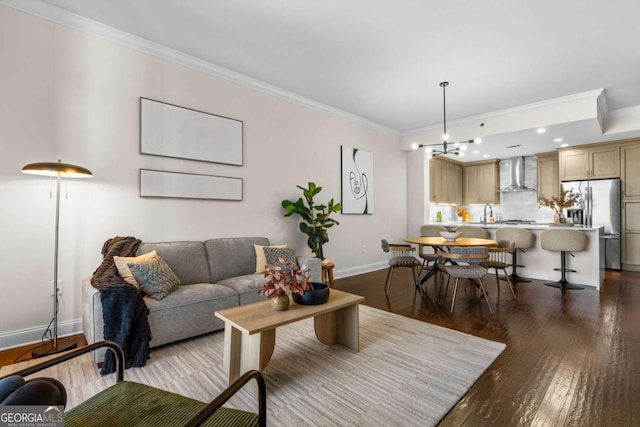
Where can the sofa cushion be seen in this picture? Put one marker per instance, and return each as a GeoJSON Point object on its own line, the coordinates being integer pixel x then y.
{"type": "Point", "coordinates": [154, 277]}
{"type": "Point", "coordinates": [230, 257]}
{"type": "Point", "coordinates": [188, 311]}
{"type": "Point", "coordinates": [187, 259]}
{"type": "Point", "coordinates": [247, 287]}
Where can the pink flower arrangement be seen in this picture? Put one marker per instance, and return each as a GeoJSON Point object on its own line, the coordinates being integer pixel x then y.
{"type": "Point", "coordinates": [278, 280]}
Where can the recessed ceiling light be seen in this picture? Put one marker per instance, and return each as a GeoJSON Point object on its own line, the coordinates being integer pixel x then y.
{"type": "Point", "coordinates": [557, 140]}
{"type": "Point", "coordinates": [541, 130]}
{"type": "Point", "coordinates": [564, 145]}
{"type": "Point", "coordinates": [486, 155]}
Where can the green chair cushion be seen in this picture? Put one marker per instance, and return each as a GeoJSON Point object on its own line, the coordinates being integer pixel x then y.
{"type": "Point", "coordinates": [133, 404]}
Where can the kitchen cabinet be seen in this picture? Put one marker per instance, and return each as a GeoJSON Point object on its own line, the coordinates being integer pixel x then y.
{"type": "Point", "coordinates": [548, 175]}
{"type": "Point", "coordinates": [631, 235]}
{"type": "Point", "coordinates": [630, 174]}
{"type": "Point", "coordinates": [445, 181]}
{"type": "Point", "coordinates": [481, 182]}
{"type": "Point", "coordinates": [631, 170]}
{"type": "Point", "coordinates": [592, 162]}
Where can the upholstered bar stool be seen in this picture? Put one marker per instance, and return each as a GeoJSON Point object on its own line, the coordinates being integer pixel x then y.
{"type": "Point", "coordinates": [564, 241]}
{"type": "Point", "coordinates": [524, 239]}
{"type": "Point", "coordinates": [472, 231]}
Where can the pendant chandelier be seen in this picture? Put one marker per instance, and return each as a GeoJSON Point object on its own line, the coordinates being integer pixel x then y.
{"type": "Point", "coordinates": [456, 148]}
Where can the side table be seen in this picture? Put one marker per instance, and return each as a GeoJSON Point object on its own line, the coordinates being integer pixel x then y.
{"type": "Point", "coordinates": [327, 272]}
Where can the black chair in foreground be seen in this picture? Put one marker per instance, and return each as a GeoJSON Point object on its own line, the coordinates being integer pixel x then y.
{"type": "Point", "coordinates": [132, 404]}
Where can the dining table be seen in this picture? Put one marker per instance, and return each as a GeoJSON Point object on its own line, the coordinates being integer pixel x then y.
{"type": "Point", "coordinates": [440, 243]}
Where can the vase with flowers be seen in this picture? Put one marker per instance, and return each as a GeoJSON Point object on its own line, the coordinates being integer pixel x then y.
{"type": "Point", "coordinates": [566, 199]}
{"type": "Point", "coordinates": [463, 213]}
{"type": "Point", "coordinates": [280, 280]}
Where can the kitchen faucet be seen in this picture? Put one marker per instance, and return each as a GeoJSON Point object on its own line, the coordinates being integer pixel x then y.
{"type": "Point", "coordinates": [484, 220]}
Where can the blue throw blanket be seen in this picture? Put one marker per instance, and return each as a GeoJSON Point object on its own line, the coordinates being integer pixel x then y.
{"type": "Point", "coordinates": [123, 309]}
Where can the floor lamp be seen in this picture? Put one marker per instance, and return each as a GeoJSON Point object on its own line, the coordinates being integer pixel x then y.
{"type": "Point", "coordinates": [57, 170]}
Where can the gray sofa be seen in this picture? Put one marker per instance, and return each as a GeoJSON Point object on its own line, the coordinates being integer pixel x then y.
{"type": "Point", "coordinates": [214, 275]}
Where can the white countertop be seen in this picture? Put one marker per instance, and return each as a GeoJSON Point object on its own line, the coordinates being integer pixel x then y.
{"type": "Point", "coordinates": [535, 226]}
{"type": "Point", "coordinates": [587, 266]}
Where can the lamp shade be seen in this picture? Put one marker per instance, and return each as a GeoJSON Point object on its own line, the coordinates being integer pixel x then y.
{"type": "Point", "coordinates": [57, 169]}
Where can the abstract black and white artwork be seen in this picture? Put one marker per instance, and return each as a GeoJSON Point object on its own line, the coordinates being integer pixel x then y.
{"type": "Point", "coordinates": [357, 181]}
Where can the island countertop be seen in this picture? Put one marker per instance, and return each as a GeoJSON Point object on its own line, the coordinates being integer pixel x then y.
{"type": "Point", "coordinates": [534, 226]}
{"type": "Point", "coordinates": [589, 264]}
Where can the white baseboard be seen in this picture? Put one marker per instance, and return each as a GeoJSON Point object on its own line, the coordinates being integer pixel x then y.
{"type": "Point", "coordinates": [346, 272]}
{"type": "Point", "coordinates": [33, 335]}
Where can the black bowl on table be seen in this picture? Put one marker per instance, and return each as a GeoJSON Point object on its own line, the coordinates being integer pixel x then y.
{"type": "Point", "coordinates": [319, 295]}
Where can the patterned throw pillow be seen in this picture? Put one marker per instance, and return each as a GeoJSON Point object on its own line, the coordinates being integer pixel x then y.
{"type": "Point", "coordinates": [154, 277]}
{"type": "Point", "coordinates": [261, 259]}
{"type": "Point", "coordinates": [123, 269]}
{"type": "Point", "coordinates": [287, 254]}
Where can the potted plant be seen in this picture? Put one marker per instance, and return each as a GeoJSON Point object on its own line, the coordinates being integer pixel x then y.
{"type": "Point", "coordinates": [316, 217]}
{"type": "Point", "coordinates": [279, 280]}
{"type": "Point", "coordinates": [566, 199]}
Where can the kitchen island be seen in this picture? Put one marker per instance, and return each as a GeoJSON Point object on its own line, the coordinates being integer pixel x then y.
{"type": "Point", "coordinates": [539, 263]}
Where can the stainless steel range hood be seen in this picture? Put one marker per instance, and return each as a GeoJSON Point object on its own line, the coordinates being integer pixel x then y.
{"type": "Point", "coordinates": [517, 176]}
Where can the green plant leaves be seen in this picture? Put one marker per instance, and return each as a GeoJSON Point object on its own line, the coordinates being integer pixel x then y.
{"type": "Point", "coordinates": [316, 217]}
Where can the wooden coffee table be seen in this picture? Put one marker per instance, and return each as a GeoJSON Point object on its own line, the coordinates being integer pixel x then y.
{"type": "Point", "coordinates": [250, 330]}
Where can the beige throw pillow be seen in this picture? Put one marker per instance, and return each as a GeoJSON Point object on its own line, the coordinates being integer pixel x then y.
{"type": "Point", "coordinates": [261, 259]}
{"type": "Point", "coordinates": [125, 271]}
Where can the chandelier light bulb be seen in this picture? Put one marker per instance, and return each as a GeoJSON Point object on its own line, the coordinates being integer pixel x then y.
{"type": "Point", "coordinates": [461, 153]}
{"type": "Point", "coordinates": [456, 144]}
{"type": "Point", "coordinates": [463, 147]}
{"type": "Point", "coordinates": [477, 140]}
{"type": "Point", "coordinates": [429, 156]}
{"type": "Point", "coordinates": [445, 137]}
{"type": "Point", "coordinates": [429, 150]}
{"type": "Point", "coordinates": [414, 146]}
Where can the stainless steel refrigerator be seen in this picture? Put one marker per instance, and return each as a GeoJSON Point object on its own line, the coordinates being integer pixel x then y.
{"type": "Point", "coordinates": [601, 207]}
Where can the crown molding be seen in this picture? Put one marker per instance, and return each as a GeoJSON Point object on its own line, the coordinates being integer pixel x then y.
{"type": "Point", "coordinates": [622, 112]}
{"type": "Point", "coordinates": [592, 94]}
{"type": "Point", "coordinates": [89, 26]}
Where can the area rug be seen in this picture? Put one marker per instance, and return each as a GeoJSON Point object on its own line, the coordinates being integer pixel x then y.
{"type": "Point", "coordinates": [407, 373]}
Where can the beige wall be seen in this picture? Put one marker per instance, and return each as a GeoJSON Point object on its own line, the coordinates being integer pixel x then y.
{"type": "Point", "coordinates": [70, 95]}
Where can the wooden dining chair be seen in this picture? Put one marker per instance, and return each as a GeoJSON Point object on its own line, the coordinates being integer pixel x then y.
{"type": "Point", "coordinates": [429, 230]}
{"type": "Point", "coordinates": [500, 258]}
{"type": "Point", "coordinates": [465, 264]}
{"type": "Point", "coordinates": [402, 256]}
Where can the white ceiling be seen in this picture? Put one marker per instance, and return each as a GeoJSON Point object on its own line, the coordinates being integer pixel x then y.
{"type": "Point", "coordinates": [382, 60]}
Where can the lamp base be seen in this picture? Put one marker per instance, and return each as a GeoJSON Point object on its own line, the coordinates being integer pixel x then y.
{"type": "Point", "coordinates": [61, 344]}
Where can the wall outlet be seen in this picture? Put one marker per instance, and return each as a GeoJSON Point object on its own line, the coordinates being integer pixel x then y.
{"type": "Point", "coordinates": [59, 286]}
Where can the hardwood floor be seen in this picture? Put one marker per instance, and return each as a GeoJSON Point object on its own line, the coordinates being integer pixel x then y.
{"type": "Point", "coordinates": [570, 360]}
{"type": "Point", "coordinates": [20, 354]}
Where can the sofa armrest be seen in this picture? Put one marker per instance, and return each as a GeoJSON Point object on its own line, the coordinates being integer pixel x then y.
{"type": "Point", "coordinates": [314, 265]}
